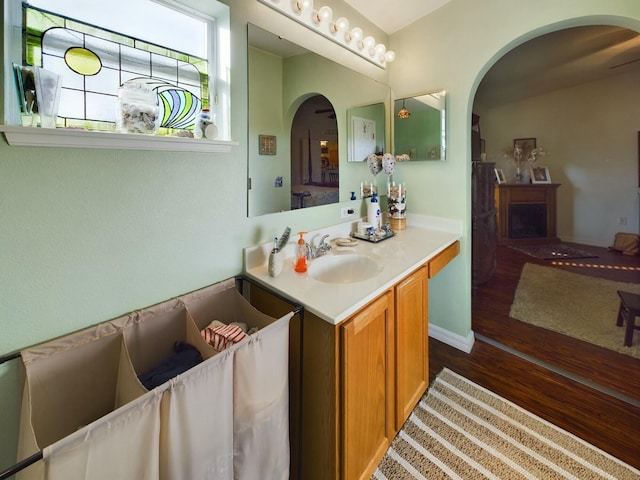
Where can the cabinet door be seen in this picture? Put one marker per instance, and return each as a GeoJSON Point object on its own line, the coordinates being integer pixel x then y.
{"type": "Point", "coordinates": [412, 343]}
{"type": "Point", "coordinates": [367, 388]}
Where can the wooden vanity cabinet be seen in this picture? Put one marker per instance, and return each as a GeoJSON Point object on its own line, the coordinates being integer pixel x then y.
{"type": "Point", "coordinates": [367, 398]}
{"type": "Point", "coordinates": [348, 413]}
{"type": "Point", "coordinates": [411, 343]}
{"type": "Point", "coordinates": [360, 379]}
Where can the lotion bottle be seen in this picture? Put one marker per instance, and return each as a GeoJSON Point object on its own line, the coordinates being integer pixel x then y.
{"type": "Point", "coordinates": [373, 212]}
{"type": "Point", "coordinates": [301, 255]}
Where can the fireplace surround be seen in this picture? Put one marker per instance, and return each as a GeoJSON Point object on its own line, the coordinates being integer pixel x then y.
{"type": "Point", "coordinates": [527, 220]}
{"type": "Point", "coordinates": [526, 213]}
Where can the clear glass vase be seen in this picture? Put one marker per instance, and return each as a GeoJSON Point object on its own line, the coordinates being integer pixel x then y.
{"type": "Point", "coordinates": [519, 175]}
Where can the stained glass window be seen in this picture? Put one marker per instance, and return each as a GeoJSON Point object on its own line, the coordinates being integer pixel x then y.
{"type": "Point", "coordinates": [94, 62]}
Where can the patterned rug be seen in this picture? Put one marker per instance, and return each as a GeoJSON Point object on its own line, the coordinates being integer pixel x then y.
{"type": "Point", "coordinates": [579, 306]}
{"type": "Point", "coordinates": [553, 252]}
{"type": "Point", "coordinates": [460, 430]}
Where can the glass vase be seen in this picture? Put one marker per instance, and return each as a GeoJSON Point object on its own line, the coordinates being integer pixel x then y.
{"type": "Point", "coordinates": [519, 176]}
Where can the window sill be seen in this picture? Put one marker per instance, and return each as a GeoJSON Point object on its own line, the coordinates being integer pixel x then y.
{"type": "Point", "coordinates": [59, 137]}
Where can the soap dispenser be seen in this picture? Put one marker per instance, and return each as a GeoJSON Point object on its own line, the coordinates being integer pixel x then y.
{"type": "Point", "coordinates": [301, 255]}
{"type": "Point", "coordinates": [373, 212]}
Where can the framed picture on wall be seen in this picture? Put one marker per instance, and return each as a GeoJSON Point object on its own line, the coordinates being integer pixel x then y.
{"type": "Point", "coordinates": [540, 175]}
{"type": "Point", "coordinates": [500, 178]}
{"type": "Point", "coordinates": [525, 144]}
{"type": "Point", "coordinates": [267, 144]}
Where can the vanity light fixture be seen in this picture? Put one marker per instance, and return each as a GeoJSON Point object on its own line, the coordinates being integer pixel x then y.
{"type": "Point", "coordinates": [321, 21]}
{"type": "Point", "coordinates": [404, 113]}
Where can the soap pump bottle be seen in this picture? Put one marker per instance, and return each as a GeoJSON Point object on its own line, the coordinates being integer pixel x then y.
{"type": "Point", "coordinates": [301, 256]}
{"type": "Point", "coordinates": [373, 212]}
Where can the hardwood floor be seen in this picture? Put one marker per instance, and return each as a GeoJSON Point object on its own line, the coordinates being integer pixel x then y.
{"type": "Point", "coordinates": [490, 318]}
{"type": "Point", "coordinates": [564, 380]}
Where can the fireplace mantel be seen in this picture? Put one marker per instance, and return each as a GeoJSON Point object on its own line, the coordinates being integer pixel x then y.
{"type": "Point", "coordinates": [538, 197]}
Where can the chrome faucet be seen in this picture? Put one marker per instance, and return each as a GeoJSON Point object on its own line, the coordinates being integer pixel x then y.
{"type": "Point", "coordinates": [320, 249]}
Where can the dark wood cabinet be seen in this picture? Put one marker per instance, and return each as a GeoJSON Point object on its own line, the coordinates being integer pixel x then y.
{"type": "Point", "coordinates": [484, 231]}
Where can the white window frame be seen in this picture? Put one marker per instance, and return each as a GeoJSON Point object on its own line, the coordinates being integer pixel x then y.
{"type": "Point", "coordinates": [216, 12]}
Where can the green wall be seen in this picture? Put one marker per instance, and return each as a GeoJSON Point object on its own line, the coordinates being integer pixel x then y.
{"type": "Point", "coordinates": [411, 135]}
{"type": "Point", "coordinates": [265, 109]}
{"type": "Point", "coordinates": [87, 235]}
{"type": "Point", "coordinates": [276, 92]}
{"type": "Point", "coordinates": [452, 48]}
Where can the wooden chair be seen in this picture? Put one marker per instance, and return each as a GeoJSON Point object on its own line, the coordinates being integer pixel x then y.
{"type": "Point", "coordinates": [629, 310]}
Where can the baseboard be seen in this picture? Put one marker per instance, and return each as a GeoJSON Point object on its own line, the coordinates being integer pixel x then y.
{"type": "Point", "coordinates": [587, 241]}
{"type": "Point", "coordinates": [452, 339]}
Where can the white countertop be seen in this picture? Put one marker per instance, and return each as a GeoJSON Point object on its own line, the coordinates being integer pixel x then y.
{"type": "Point", "coordinates": [424, 238]}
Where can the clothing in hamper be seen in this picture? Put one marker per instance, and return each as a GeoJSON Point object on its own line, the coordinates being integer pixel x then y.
{"type": "Point", "coordinates": [186, 357]}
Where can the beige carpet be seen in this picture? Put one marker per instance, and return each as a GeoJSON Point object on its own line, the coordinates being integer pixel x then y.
{"type": "Point", "coordinates": [460, 430]}
{"type": "Point", "coordinates": [576, 305]}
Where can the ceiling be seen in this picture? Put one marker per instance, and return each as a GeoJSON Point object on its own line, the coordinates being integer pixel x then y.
{"type": "Point", "coordinates": [549, 62]}
{"type": "Point", "coordinates": [560, 59]}
{"type": "Point", "coordinates": [393, 16]}
{"type": "Point", "coordinates": [554, 61]}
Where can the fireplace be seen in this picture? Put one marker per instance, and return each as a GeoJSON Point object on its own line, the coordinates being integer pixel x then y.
{"type": "Point", "coordinates": [527, 220]}
{"type": "Point", "coordinates": [526, 213]}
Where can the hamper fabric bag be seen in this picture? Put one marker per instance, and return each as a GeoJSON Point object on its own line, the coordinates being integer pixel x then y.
{"type": "Point", "coordinates": [261, 404]}
{"type": "Point", "coordinates": [197, 422]}
{"type": "Point", "coordinates": [73, 386]}
{"type": "Point", "coordinates": [260, 382]}
{"type": "Point", "coordinates": [86, 410]}
{"type": "Point", "coordinates": [123, 445]}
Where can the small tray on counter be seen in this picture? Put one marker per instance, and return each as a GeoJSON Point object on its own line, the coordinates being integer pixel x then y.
{"type": "Point", "coordinates": [373, 238]}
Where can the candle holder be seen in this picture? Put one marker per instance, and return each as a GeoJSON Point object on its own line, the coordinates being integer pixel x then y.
{"type": "Point", "coordinates": [397, 206]}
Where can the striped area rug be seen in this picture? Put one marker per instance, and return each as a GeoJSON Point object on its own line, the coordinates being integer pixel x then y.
{"type": "Point", "coordinates": [462, 431]}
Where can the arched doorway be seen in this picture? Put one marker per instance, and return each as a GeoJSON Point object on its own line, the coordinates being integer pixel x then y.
{"type": "Point", "coordinates": [570, 93]}
{"type": "Point", "coordinates": [314, 154]}
{"type": "Point", "coordinates": [588, 123]}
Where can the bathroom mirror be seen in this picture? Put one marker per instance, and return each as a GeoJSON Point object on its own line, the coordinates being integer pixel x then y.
{"type": "Point", "coordinates": [419, 126]}
{"type": "Point", "coordinates": [366, 128]}
{"type": "Point", "coordinates": [283, 79]}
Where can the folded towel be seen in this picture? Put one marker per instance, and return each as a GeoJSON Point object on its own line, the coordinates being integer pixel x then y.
{"type": "Point", "coordinates": [221, 336]}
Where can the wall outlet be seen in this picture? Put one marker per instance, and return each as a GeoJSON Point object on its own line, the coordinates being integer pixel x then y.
{"type": "Point", "coordinates": [622, 220]}
{"type": "Point", "coordinates": [346, 212]}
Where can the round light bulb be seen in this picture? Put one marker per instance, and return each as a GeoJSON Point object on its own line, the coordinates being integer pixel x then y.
{"type": "Point", "coordinates": [390, 56]}
{"type": "Point", "coordinates": [341, 25]}
{"type": "Point", "coordinates": [380, 49]}
{"type": "Point", "coordinates": [301, 5]}
{"type": "Point", "coordinates": [354, 35]}
{"type": "Point", "coordinates": [325, 13]}
{"type": "Point", "coordinates": [369, 42]}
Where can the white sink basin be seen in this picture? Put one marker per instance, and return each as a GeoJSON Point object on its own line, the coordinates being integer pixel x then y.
{"type": "Point", "coordinates": [343, 268]}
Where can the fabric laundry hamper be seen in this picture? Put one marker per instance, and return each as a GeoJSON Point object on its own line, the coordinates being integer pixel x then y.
{"type": "Point", "coordinates": [72, 393]}
{"type": "Point", "coordinates": [196, 416]}
{"type": "Point", "coordinates": [225, 418]}
{"type": "Point", "coordinates": [261, 384]}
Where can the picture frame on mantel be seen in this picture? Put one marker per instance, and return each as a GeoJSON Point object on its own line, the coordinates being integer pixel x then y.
{"type": "Point", "coordinates": [540, 175]}
{"type": "Point", "coordinates": [500, 178]}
